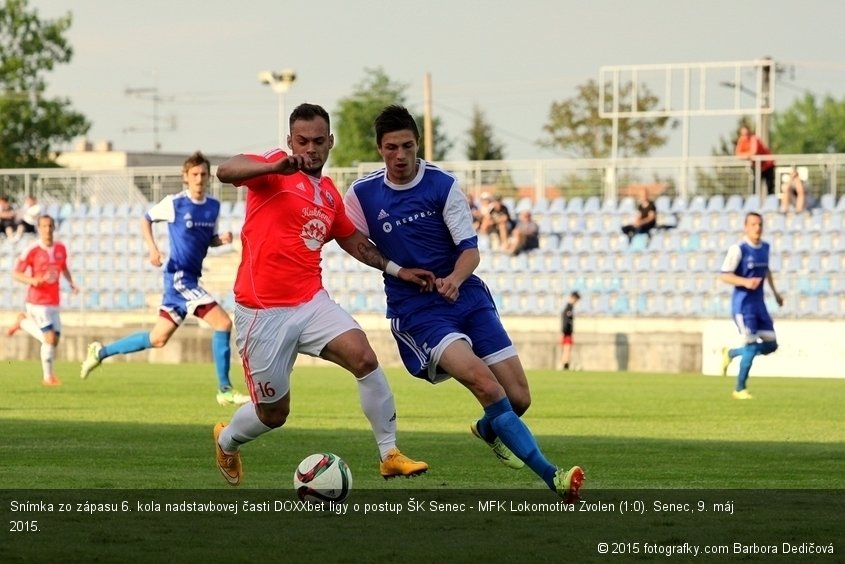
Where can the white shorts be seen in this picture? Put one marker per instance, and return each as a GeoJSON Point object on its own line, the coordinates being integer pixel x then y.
{"type": "Point", "coordinates": [268, 341]}
{"type": "Point", "coordinates": [46, 317]}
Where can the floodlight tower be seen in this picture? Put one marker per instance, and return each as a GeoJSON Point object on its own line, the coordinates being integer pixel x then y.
{"type": "Point", "coordinates": [280, 82]}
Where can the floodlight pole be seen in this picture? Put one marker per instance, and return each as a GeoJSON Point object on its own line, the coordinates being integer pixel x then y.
{"type": "Point", "coordinates": [280, 82]}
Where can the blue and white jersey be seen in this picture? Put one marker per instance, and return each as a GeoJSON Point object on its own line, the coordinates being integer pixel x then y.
{"type": "Point", "coordinates": [424, 224]}
{"type": "Point", "coordinates": [191, 226]}
{"type": "Point", "coordinates": [748, 261]}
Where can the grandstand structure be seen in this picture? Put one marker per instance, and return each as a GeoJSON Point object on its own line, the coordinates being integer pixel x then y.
{"type": "Point", "coordinates": [671, 274]}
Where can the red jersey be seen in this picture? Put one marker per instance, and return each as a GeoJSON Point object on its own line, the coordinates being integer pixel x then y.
{"type": "Point", "coordinates": [743, 148]}
{"type": "Point", "coordinates": [43, 261]}
{"type": "Point", "coordinates": [288, 220]}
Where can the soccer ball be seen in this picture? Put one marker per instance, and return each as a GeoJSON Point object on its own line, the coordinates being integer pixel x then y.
{"type": "Point", "coordinates": [322, 477]}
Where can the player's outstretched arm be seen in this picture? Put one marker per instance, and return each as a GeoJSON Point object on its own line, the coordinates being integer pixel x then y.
{"type": "Point", "coordinates": [365, 251]}
{"type": "Point", "coordinates": [241, 168]}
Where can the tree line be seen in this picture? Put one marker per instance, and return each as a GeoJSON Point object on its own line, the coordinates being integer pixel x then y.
{"type": "Point", "coordinates": [32, 125]}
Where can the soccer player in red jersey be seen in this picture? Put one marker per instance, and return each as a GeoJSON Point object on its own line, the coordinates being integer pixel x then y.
{"type": "Point", "coordinates": [40, 265]}
{"type": "Point", "coordinates": [282, 308]}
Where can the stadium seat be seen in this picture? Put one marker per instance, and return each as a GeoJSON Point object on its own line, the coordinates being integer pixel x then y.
{"type": "Point", "coordinates": [627, 206]}
{"type": "Point", "coordinates": [558, 205]}
{"type": "Point", "coordinates": [716, 203]}
{"type": "Point", "coordinates": [592, 205]}
{"type": "Point", "coordinates": [575, 205]}
{"type": "Point", "coordinates": [663, 205]}
{"type": "Point", "coordinates": [733, 203]}
{"type": "Point", "coordinates": [697, 204]}
{"type": "Point", "coordinates": [827, 202]}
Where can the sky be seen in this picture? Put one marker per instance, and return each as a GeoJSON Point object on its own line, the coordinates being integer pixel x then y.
{"type": "Point", "coordinates": [512, 60]}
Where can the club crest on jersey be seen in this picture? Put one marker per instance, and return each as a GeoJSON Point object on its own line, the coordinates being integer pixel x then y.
{"type": "Point", "coordinates": [329, 198]}
{"type": "Point", "coordinates": [313, 234]}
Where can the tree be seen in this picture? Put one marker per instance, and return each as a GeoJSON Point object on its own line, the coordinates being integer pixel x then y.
{"type": "Point", "coordinates": [808, 126]}
{"type": "Point", "coordinates": [356, 113]}
{"type": "Point", "coordinates": [482, 146]}
{"type": "Point", "coordinates": [575, 125]}
{"type": "Point", "coordinates": [31, 125]}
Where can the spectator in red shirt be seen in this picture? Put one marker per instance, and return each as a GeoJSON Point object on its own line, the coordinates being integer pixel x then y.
{"type": "Point", "coordinates": [749, 146]}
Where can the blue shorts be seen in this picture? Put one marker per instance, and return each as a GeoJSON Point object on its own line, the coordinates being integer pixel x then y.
{"type": "Point", "coordinates": [754, 323]}
{"type": "Point", "coordinates": [423, 335]}
{"type": "Point", "coordinates": [183, 295]}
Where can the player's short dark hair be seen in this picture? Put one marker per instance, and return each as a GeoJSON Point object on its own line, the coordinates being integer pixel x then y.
{"type": "Point", "coordinates": [395, 118]}
{"type": "Point", "coordinates": [196, 159]}
{"type": "Point", "coordinates": [307, 112]}
{"type": "Point", "coordinates": [575, 295]}
{"type": "Point", "coordinates": [752, 214]}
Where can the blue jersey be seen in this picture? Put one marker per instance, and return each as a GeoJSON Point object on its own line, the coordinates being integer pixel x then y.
{"type": "Point", "coordinates": [191, 226]}
{"type": "Point", "coordinates": [423, 224]}
{"type": "Point", "coordinates": [748, 261]}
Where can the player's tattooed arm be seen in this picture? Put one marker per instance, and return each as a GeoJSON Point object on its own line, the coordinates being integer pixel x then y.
{"type": "Point", "coordinates": [365, 251]}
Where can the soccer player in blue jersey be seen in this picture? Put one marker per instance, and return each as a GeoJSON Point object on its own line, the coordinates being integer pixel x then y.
{"type": "Point", "coordinates": [418, 217]}
{"type": "Point", "coordinates": [745, 267]}
{"type": "Point", "coordinates": [191, 218]}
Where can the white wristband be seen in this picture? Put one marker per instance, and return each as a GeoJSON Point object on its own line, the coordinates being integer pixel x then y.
{"type": "Point", "coordinates": [392, 268]}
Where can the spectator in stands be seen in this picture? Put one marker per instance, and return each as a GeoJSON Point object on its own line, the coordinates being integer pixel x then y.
{"type": "Point", "coordinates": [567, 329]}
{"type": "Point", "coordinates": [746, 268]}
{"type": "Point", "coordinates": [476, 213]}
{"type": "Point", "coordinates": [645, 219]}
{"type": "Point", "coordinates": [8, 218]}
{"type": "Point", "coordinates": [28, 220]}
{"type": "Point", "coordinates": [40, 266]}
{"type": "Point", "coordinates": [793, 192]}
{"type": "Point", "coordinates": [525, 235]}
{"type": "Point", "coordinates": [191, 218]}
{"type": "Point", "coordinates": [749, 146]}
{"type": "Point", "coordinates": [496, 219]}
{"type": "Point", "coordinates": [454, 331]}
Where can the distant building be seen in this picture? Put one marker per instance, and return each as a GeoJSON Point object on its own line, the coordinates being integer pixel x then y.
{"type": "Point", "coordinates": [102, 156]}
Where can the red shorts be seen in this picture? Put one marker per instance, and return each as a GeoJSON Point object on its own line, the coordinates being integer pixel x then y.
{"type": "Point", "coordinates": [566, 339]}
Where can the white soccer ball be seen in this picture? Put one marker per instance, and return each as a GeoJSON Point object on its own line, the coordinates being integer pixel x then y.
{"type": "Point", "coordinates": [322, 477]}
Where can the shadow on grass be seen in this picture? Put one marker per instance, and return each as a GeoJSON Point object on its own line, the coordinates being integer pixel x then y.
{"type": "Point", "coordinates": [144, 492]}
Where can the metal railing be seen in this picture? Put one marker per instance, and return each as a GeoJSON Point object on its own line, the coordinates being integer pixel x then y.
{"type": "Point", "coordinates": [535, 179]}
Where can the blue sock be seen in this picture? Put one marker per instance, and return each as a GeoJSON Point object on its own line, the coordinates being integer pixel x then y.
{"type": "Point", "coordinates": [131, 343]}
{"type": "Point", "coordinates": [222, 352]}
{"type": "Point", "coordinates": [747, 354]}
{"type": "Point", "coordinates": [517, 437]}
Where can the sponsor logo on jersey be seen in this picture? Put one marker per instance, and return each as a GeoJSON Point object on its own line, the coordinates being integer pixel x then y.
{"type": "Point", "coordinates": [415, 217]}
{"type": "Point", "coordinates": [190, 223]}
{"type": "Point", "coordinates": [313, 234]}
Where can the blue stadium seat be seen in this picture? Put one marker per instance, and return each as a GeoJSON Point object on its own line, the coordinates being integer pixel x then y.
{"type": "Point", "coordinates": [827, 202]}
{"type": "Point", "coordinates": [593, 204]}
{"type": "Point", "coordinates": [698, 204]}
{"type": "Point", "coordinates": [663, 204]}
{"type": "Point", "coordinates": [716, 203]}
{"type": "Point", "coordinates": [575, 205]}
{"type": "Point", "coordinates": [558, 205]}
{"type": "Point", "coordinates": [734, 203]}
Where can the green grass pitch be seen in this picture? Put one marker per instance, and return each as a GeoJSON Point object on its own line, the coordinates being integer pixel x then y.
{"type": "Point", "coordinates": [135, 430]}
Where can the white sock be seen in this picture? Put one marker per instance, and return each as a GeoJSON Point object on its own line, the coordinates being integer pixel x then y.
{"type": "Point", "coordinates": [244, 427]}
{"type": "Point", "coordinates": [380, 408]}
{"type": "Point", "coordinates": [30, 327]}
{"type": "Point", "coordinates": [48, 353]}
